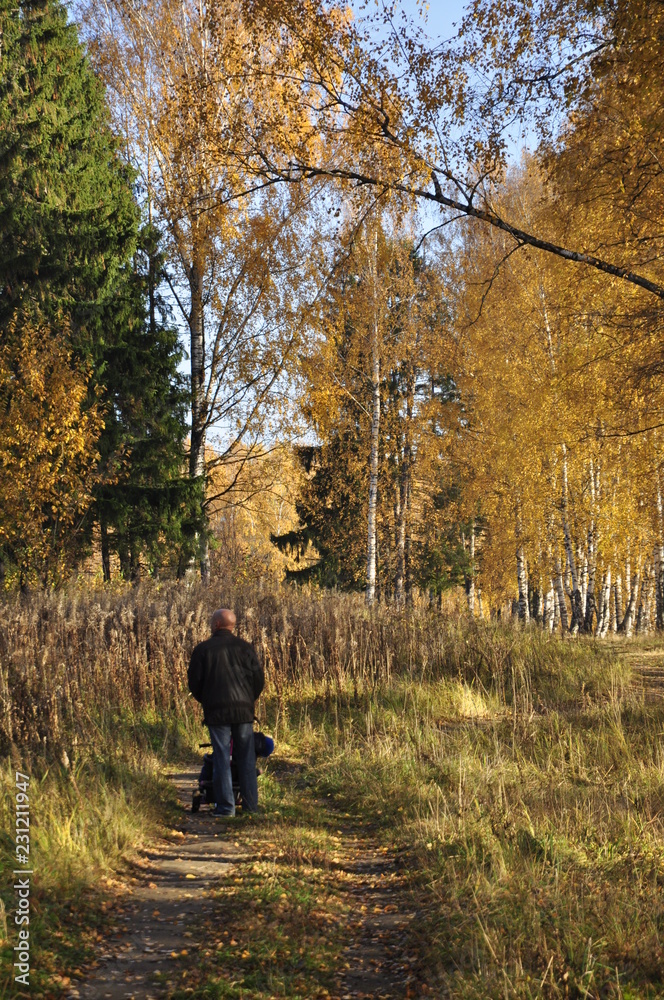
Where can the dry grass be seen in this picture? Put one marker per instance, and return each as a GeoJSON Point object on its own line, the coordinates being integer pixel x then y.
{"type": "Point", "coordinates": [74, 664]}
{"type": "Point", "coordinates": [520, 774]}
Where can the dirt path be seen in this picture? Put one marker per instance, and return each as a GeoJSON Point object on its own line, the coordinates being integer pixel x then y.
{"type": "Point", "coordinates": [177, 887]}
{"type": "Point", "coordinates": [171, 891]}
{"type": "Point", "coordinates": [377, 959]}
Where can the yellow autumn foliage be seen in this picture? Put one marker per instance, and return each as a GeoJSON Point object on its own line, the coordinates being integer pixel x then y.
{"type": "Point", "coordinates": [48, 456]}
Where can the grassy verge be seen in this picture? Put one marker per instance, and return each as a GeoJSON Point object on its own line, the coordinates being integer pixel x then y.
{"type": "Point", "coordinates": [535, 835]}
{"type": "Point", "coordinates": [88, 817]}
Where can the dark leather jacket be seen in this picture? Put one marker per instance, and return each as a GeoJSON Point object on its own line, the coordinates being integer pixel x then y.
{"type": "Point", "coordinates": [226, 677]}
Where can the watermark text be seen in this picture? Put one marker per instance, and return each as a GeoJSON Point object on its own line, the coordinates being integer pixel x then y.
{"type": "Point", "coordinates": [23, 871]}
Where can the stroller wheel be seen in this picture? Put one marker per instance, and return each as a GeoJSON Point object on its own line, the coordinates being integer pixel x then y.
{"type": "Point", "coordinates": [196, 802]}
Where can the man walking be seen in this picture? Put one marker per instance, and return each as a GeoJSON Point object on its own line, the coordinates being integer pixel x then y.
{"type": "Point", "coordinates": [226, 677]}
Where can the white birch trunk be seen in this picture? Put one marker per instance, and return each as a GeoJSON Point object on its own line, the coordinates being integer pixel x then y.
{"type": "Point", "coordinates": [560, 594]}
{"type": "Point", "coordinates": [584, 582]}
{"type": "Point", "coordinates": [375, 438]}
{"type": "Point", "coordinates": [618, 610]}
{"type": "Point", "coordinates": [645, 601]}
{"type": "Point", "coordinates": [522, 585]}
{"type": "Point", "coordinates": [556, 611]}
{"type": "Point", "coordinates": [575, 596]}
{"type": "Point", "coordinates": [627, 625]}
{"type": "Point", "coordinates": [603, 626]}
{"type": "Point", "coordinates": [549, 608]}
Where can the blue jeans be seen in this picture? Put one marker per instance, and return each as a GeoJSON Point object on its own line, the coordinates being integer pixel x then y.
{"type": "Point", "coordinates": [244, 757]}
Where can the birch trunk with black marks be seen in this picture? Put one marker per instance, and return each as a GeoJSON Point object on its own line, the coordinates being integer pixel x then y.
{"type": "Point", "coordinates": [199, 415]}
{"type": "Point", "coordinates": [605, 616]}
{"type": "Point", "coordinates": [575, 595]}
{"type": "Point", "coordinates": [522, 585]}
{"type": "Point", "coordinates": [627, 624]}
{"type": "Point", "coordinates": [402, 588]}
{"type": "Point", "coordinates": [549, 608]}
{"type": "Point", "coordinates": [583, 560]}
{"type": "Point", "coordinates": [643, 614]}
{"type": "Point", "coordinates": [590, 603]}
{"type": "Point", "coordinates": [659, 574]}
{"type": "Point", "coordinates": [616, 604]}
{"type": "Point", "coordinates": [560, 597]}
{"type": "Point", "coordinates": [600, 605]}
{"type": "Point", "coordinates": [375, 439]}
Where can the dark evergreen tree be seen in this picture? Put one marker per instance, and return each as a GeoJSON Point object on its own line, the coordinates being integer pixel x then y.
{"type": "Point", "coordinates": [71, 253]}
{"type": "Point", "coordinates": [68, 219]}
{"type": "Point", "coordinates": [332, 511]}
{"type": "Point", "coordinates": [147, 505]}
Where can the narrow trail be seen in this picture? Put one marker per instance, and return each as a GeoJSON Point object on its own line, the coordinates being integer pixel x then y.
{"type": "Point", "coordinates": [378, 963]}
{"type": "Point", "coordinates": [175, 888]}
{"type": "Point", "coordinates": [169, 891]}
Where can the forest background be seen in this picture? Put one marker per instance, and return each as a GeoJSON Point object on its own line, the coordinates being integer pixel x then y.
{"type": "Point", "coordinates": [404, 401]}
{"type": "Point", "coordinates": [276, 300]}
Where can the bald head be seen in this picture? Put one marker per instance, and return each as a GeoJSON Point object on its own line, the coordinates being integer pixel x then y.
{"type": "Point", "coordinates": [223, 618]}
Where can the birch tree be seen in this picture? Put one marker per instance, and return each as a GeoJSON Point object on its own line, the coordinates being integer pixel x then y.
{"type": "Point", "coordinates": [180, 94]}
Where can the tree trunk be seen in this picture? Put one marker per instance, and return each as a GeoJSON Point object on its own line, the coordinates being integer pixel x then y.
{"type": "Point", "coordinates": [618, 603]}
{"type": "Point", "coordinates": [627, 623]}
{"type": "Point", "coordinates": [584, 579]}
{"type": "Point", "coordinates": [469, 578]}
{"type": "Point", "coordinates": [403, 588]}
{"type": "Point", "coordinates": [373, 466]}
{"type": "Point", "coordinates": [105, 551]}
{"type": "Point", "coordinates": [560, 592]}
{"type": "Point", "coordinates": [590, 604]}
{"type": "Point", "coordinates": [522, 584]}
{"type": "Point", "coordinates": [549, 608]}
{"type": "Point", "coordinates": [198, 405]}
{"type": "Point", "coordinates": [575, 597]}
{"type": "Point", "coordinates": [605, 617]}
{"type": "Point", "coordinates": [643, 616]}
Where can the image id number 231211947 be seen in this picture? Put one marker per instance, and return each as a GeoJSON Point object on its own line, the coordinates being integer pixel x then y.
{"type": "Point", "coordinates": [22, 874]}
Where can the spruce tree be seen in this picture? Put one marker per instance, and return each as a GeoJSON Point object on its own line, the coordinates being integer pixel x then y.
{"type": "Point", "coordinates": [147, 504]}
{"type": "Point", "coordinates": [70, 258]}
{"type": "Point", "coordinates": [68, 219]}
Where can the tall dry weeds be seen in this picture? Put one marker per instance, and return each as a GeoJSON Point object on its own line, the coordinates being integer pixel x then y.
{"type": "Point", "coordinates": [71, 660]}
